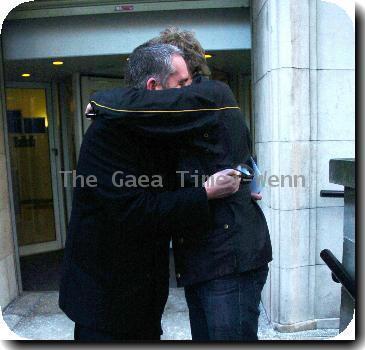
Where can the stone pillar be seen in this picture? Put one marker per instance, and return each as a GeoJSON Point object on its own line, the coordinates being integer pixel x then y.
{"type": "Point", "coordinates": [8, 281]}
{"type": "Point", "coordinates": [303, 105]}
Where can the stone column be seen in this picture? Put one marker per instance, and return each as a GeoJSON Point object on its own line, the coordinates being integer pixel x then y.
{"type": "Point", "coordinates": [8, 281]}
{"type": "Point", "coordinates": [333, 129]}
{"type": "Point", "coordinates": [304, 115]}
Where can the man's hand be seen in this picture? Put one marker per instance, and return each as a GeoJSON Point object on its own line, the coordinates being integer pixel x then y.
{"type": "Point", "coordinates": [222, 184]}
{"type": "Point", "coordinates": [89, 109]}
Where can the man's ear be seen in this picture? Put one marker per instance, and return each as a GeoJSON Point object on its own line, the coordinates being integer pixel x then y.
{"type": "Point", "coordinates": [151, 84]}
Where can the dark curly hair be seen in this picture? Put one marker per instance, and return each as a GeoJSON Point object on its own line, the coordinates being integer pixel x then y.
{"type": "Point", "coordinates": [186, 41]}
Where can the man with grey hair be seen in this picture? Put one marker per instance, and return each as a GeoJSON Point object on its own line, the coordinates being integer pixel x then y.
{"type": "Point", "coordinates": [151, 67]}
{"type": "Point", "coordinates": [115, 276]}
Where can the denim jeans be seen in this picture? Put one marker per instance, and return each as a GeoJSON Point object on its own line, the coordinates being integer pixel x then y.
{"type": "Point", "coordinates": [226, 308]}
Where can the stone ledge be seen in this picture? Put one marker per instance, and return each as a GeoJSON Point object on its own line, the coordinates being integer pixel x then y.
{"type": "Point", "coordinates": [326, 323]}
{"type": "Point", "coordinates": [295, 327]}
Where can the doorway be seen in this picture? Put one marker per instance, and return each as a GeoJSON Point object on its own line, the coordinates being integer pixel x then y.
{"type": "Point", "coordinates": [33, 159]}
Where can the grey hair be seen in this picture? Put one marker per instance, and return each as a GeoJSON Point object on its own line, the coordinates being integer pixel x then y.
{"type": "Point", "coordinates": [150, 61]}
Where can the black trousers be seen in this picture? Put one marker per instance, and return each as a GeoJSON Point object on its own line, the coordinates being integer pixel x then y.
{"type": "Point", "coordinates": [84, 334]}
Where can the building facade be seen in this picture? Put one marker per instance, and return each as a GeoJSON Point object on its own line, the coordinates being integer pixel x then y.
{"type": "Point", "coordinates": [291, 65]}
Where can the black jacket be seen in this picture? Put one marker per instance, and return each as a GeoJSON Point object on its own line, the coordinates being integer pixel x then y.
{"type": "Point", "coordinates": [115, 271]}
{"type": "Point", "coordinates": [207, 132]}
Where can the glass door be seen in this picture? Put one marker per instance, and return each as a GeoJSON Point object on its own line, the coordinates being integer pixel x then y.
{"type": "Point", "coordinates": [33, 169]}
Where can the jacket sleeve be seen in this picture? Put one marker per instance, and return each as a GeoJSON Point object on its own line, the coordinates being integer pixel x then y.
{"type": "Point", "coordinates": [167, 113]}
{"type": "Point", "coordinates": [242, 141]}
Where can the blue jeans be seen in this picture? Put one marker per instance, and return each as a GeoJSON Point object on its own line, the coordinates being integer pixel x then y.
{"type": "Point", "coordinates": [226, 308]}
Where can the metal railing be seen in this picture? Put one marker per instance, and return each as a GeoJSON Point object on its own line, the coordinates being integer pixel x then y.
{"type": "Point", "coordinates": [339, 274]}
{"type": "Point", "coordinates": [332, 194]}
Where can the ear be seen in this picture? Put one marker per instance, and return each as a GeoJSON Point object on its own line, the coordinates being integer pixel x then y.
{"type": "Point", "coordinates": [152, 84]}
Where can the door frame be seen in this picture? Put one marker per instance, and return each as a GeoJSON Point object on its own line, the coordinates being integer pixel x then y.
{"type": "Point", "coordinates": [81, 85]}
{"type": "Point", "coordinates": [54, 153]}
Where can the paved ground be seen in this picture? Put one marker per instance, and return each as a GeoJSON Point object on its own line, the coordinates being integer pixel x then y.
{"type": "Point", "coordinates": [35, 315]}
